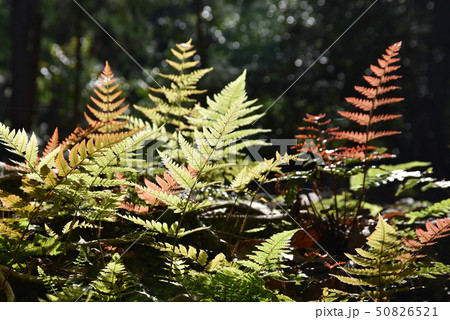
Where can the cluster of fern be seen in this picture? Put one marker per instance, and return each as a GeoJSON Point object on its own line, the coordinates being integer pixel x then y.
{"type": "Point", "coordinates": [145, 181]}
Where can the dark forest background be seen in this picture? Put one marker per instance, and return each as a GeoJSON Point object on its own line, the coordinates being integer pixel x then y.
{"type": "Point", "coordinates": [51, 53]}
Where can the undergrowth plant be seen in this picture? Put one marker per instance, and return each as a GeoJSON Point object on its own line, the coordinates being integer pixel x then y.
{"type": "Point", "coordinates": [93, 217]}
{"type": "Point", "coordinates": [389, 261]}
{"type": "Point", "coordinates": [338, 161]}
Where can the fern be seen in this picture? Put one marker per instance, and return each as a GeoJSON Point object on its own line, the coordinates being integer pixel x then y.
{"type": "Point", "coordinates": [171, 108]}
{"type": "Point", "coordinates": [113, 283]}
{"type": "Point", "coordinates": [220, 125]}
{"type": "Point", "coordinates": [389, 261]}
{"type": "Point", "coordinates": [106, 119]}
{"type": "Point", "coordinates": [429, 236]}
{"type": "Point", "coordinates": [384, 265]}
{"type": "Point", "coordinates": [230, 284]}
{"type": "Point", "coordinates": [258, 171]}
{"type": "Point", "coordinates": [224, 281]}
{"type": "Point", "coordinates": [76, 183]}
{"type": "Point", "coordinates": [437, 210]}
{"type": "Point", "coordinates": [269, 254]}
{"type": "Point", "coordinates": [199, 256]}
{"type": "Point", "coordinates": [432, 270]}
{"type": "Point", "coordinates": [49, 281]}
{"type": "Point", "coordinates": [372, 101]}
{"type": "Point", "coordinates": [17, 142]}
{"type": "Point", "coordinates": [156, 227]}
{"type": "Point", "coordinates": [317, 138]}
{"type": "Point", "coordinates": [230, 109]}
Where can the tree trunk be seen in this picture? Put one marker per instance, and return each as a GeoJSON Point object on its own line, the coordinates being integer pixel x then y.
{"type": "Point", "coordinates": [439, 83]}
{"type": "Point", "coordinates": [78, 66]}
{"type": "Point", "coordinates": [26, 39]}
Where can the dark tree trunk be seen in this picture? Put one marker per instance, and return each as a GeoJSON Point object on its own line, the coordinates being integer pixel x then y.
{"type": "Point", "coordinates": [26, 39]}
{"type": "Point", "coordinates": [439, 94]}
{"type": "Point", "coordinates": [78, 66]}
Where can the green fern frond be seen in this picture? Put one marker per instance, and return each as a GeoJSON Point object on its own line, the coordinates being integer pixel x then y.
{"type": "Point", "coordinates": [269, 255]}
{"type": "Point", "coordinates": [385, 264]}
{"type": "Point", "coordinates": [248, 174]}
{"type": "Point", "coordinates": [49, 281]}
{"type": "Point", "coordinates": [162, 228]}
{"type": "Point", "coordinates": [113, 283]}
{"type": "Point", "coordinates": [437, 210]}
{"type": "Point", "coordinates": [7, 228]}
{"type": "Point", "coordinates": [432, 271]}
{"type": "Point", "coordinates": [199, 256]}
{"type": "Point", "coordinates": [216, 263]}
{"type": "Point", "coordinates": [179, 173]}
{"type": "Point", "coordinates": [68, 293]}
{"type": "Point", "coordinates": [174, 101]}
{"type": "Point", "coordinates": [18, 143]}
{"type": "Point", "coordinates": [219, 125]}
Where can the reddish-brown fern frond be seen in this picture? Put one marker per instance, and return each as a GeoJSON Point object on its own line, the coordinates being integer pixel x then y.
{"type": "Point", "coordinates": [106, 118]}
{"type": "Point", "coordinates": [371, 101]}
{"type": "Point", "coordinates": [317, 136]}
{"type": "Point", "coordinates": [429, 236]}
{"type": "Point", "coordinates": [167, 185]}
{"type": "Point", "coordinates": [363, 137]}
{"type": "Point", "coordinates": [135, 208]}
{"type": "Point", "coordinates": [78, 135]}
{"type": "Point", "coordinates": [52, 144]}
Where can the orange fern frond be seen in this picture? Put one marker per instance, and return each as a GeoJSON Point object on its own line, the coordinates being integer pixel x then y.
{"type": "Point", "coordinates": [317, 141]}
{"type": "Point", "coordinates": [370, 103]}
{"type": "Point", "coordinates": [360, 118]}
{"type": "Point", "coordinates": [429, 236]}
{"type": "Point", "coordinates": [135, 208]}
{"type": "Point", "coordinates": [106, 118]}
{"type": "Point", "coordinates": [78, 135]}
{"type": "Point", "coordinates": [52, 144]}
{"type": "Point", "coordinates": [363, 119]}
{"type": "Point", "coordinates": [360, 153]}
{"type": "Point", "coordinates": [371, 93]}
{"type": "Point", "coordinates": [167, 185]}
{"type": "Point", "coordinates": [363, 137]}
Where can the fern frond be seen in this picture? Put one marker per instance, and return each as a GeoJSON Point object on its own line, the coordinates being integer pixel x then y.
{"type": "Point", "coordinates": [363, 138]}
{"type": "Point", "coordinates": [113, 283]}
{"type": "Point", "coordinates": [78, 135]}
{"type": "Point", "coordinates": [107, 119]}
{"type": "Point", "coordinates": [221, 122]}
{"type": "Point", "coordinates": [428, 237]}
{"type": "Point", "coordinates": [52, 144]}
{"type": "Point", "coordinates": [199, 256]}
{"type": "Point", "coordinates": [218, 261]}
{"type": "Point", "coordinates": [18, 143]}
{"type": "Point", "coordinates": [166, 185]}
{"type": "Point", "coordinates": [174, 101]}
{"type": "Point", "coordinates": [162, 228]}
{"type": "Point", "coordinates": [371, 102]}
{"type": "Point", "coordinates": [438, 210]}
{"type": "Point", "coordinates": [269, 254]}
{"type": "Point", "coordinates": [371, 93]}
{"type": "Point", "coordinates": [385, 263]}
{"type": "Point", "coordinates": [179, 173]}
{"type": "Point", "coordinates": [7, 228]}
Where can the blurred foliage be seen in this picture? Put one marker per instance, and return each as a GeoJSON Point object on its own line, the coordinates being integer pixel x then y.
{"type": "Point", "coordinates": [275, 40]}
